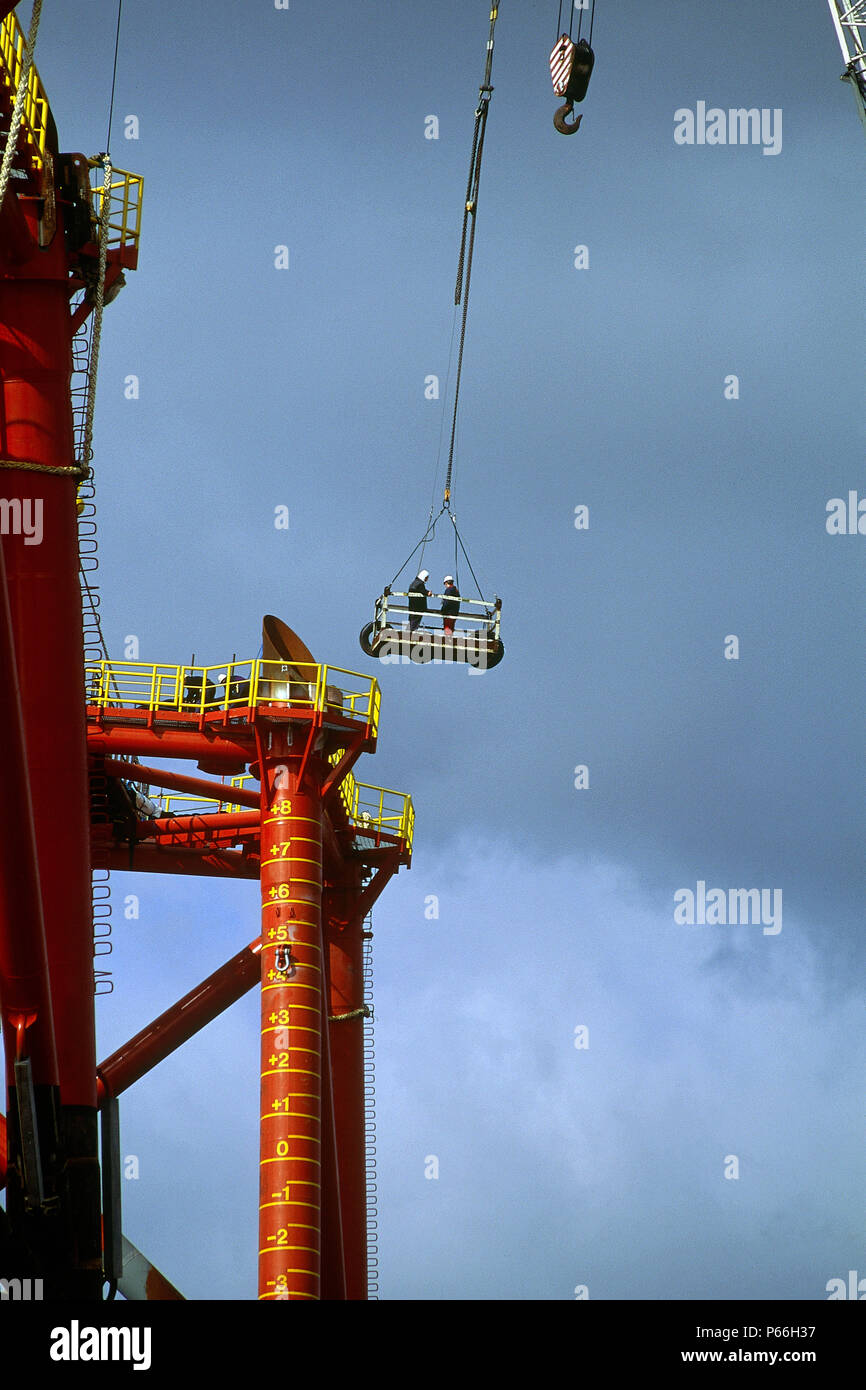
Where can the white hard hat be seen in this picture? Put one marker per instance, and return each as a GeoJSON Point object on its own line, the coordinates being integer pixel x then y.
{"type": "Point", "coordinates": [423, 574]}
{"type": "Point", "coordinates": [449, 579]}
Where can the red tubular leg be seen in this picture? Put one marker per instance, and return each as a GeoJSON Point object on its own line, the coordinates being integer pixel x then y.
{"type": "Point", "coordinates": [290, 1206]}
{"type": "Point", "coordinates": [24, 985]}
{"type": "Point", "coordinates": [35, 365]}
{"type": "Point", "coordinates": [45, 604]}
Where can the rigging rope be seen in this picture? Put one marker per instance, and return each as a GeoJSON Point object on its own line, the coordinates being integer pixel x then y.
{"type": "Point", "coordinates": [30, 467]}
{"type": "Point", "coordinates": [464, 262]}
{"type": "Point", "coordinates": [458, 540]}
{"type": "Point", "coordinates": [20, 95]}
{"type": "Point", "coordinates": [427, 536]}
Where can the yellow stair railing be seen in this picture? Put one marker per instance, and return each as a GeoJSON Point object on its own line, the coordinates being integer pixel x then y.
{"type": "Point", "coordinates": [36, 115]}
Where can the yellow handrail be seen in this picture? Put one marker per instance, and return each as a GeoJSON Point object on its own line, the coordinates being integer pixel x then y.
{"type": "Point", "coordinates": [396, 816]}
{"type": "Point", "coordinates": [234, 685]}
{"type": "Point", "coordinates": [35, 116]}
{"type": "Point", "coordinates": [124, 212]}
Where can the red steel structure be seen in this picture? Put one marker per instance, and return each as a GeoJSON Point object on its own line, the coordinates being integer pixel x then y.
{"type": "Point", "coordinates": [287, 730]}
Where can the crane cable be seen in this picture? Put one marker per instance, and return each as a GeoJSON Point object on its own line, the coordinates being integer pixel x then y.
{"type": "Point", "coordinates": [467, 238]}
{"type": "Point", "coordinates": [579, 22]}
{"type": "Point", "coordinates": [591, 24]}
{"type": "Point", "coordinates": [114, 74]}
{"type": "Point", "coordinates": [461, 295]}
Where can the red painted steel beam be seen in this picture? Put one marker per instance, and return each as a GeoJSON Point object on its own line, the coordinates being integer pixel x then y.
{"type": "Point", "coordinates": [178, 859]}
{"type": "Point", "coordinates": [290, 1194]}
{"type": "Point", "coordinates": [25, 991]}
{"type": "Point", "coordinates": [388, 866]}
{"type": "Point", "coordinates": [178, 1024]}
{"type": "Point", "coordinates": [204, 828]}
{"type": "Point", "coordinates": [179, 781]}
{"type": "Point", "coordinates": [170, 743]}
{"type": "Point", "coordinates": [141, 1280]}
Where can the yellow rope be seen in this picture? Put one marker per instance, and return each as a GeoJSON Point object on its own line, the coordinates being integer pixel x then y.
{"type": "Point", "coordinates": [74, 470]}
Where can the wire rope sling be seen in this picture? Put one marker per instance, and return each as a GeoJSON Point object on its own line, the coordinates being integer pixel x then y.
{"type": "Point", "coordinates": [469, 630]}
{"type": "Point", "coordinates": [571, 68]}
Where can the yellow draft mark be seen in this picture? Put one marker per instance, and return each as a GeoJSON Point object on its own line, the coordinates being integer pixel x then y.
{"type": "Point", "coordinates": [284, 1023]}
{"type": "Point", "coordinates": [289, 1202]}
{"type": "Point", "coordinates": [289, 816]}
{"type": "Point", "coordinates": [288, 983]}
{"type": "Point", "coordinates": [298, 1135]}
{"type": "Point", "coordinates": [301, 839]}
{"type": "Point", "coordinates": [295, 902]}
{"type": "Point", "coordinates": [311, 903]}
{"type": "Point", "coordinates": [299, 1159]}
{"type": "Point", "coordinates": [286, 1292]}
{"type": "Point", "coordinates": [301, 1182]}
{"type": "Point", "coordinates": [282, 1114]}
{"type": "Point", "coordinates": [296, 984]}
{"type": "Point", "coordinates": [285, 1071]}
{"type": "Point", "coordinates": [281, 854]}
{"type": "Point", "coordinates": [289, 1028]}
{"type": "Point", "coordinates": [307, 1250]}
{"type": "Point", "coordinates": [316, 863]}
{"type": "Point", "coordinates": [287, 941]}
{"type": "Point", "coordinates": [263, 1161]}
{"type": "Point", "coordinates": [275, 893]}
{"type": "Point", "coordinates": [298, 1047]}
{"type": "Point", "coordinates": [292, 1226]}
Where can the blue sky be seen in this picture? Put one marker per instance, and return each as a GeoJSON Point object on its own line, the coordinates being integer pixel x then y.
{"type": "Point", "coordinates": [559, 1166]}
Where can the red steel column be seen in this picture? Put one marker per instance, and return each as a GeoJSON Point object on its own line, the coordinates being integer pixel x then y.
{"type": "Point", "coordinates": [45, 603]}
{"type": "Point", "coordinates": [25, 991]}
{"type": "Point", "coordinates": [44, 596]}
{"type": "Point", "coordinates": [290, 1207]}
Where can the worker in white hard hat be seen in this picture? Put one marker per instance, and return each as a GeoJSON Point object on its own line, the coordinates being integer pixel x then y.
{"type": "Point", "coordinates": [418, 592]}
{"type": "Point", "coordinates": [450, 604]}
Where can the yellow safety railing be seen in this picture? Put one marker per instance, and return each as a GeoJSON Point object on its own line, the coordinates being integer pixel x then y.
{"type": "Point", "coordinates": [380, 808]}
{"type": "Point", "coordinates": [376, 808]}
{"type": "Point", "coordinates": [124, 211]}
{"type": "Point", "coordinates": [36, 112]}
{"type": "Point", "coordinates": [188, 804]}
{"type": "Point", "coordinates": [233, 685]}
{"type": "Point", "coordinates": [370, 809]}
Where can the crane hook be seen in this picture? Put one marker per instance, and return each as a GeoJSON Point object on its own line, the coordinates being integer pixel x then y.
{"type": "Point", "coordinates": [560, 122]}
